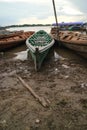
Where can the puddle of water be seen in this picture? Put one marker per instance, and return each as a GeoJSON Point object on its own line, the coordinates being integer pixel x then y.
{"type": "Point", "coordinates": [57, 56]}
{"type": "Point", "coordinates": [21, 55]}
{"type": "Point", "coordinates": [66, 53]}
{"type": "Point", "coordinates": [18, 52]}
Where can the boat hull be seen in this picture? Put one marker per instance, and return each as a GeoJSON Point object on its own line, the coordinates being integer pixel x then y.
{"type": "Point", "coordinates": [38, 58]}
{"type": "Point", "coordinates": [80, 49]}
{"type": "Point", "coordinates": [14, 40]}
{"type": "Point", "coordinates": [39, 45]}
{"type": "Point", "coordinates": [72, 40]}
{"type": "Point", "coordinates": [9, 45]}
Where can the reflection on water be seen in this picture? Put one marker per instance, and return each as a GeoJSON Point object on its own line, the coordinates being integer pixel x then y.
{"type": "Point", "coordinates": [21, 55]}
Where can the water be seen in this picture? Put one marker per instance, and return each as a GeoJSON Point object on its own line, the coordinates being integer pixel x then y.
{"type": "Point", "coordinates": [21, 55]}
{"type": "Point", "coordinates": [35, 28]}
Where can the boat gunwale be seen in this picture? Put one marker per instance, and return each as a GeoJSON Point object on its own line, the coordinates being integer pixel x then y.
{"type": "Point", "coordinates": [73, 42]}
{"type": "Point", "coordinates": [41, 48]}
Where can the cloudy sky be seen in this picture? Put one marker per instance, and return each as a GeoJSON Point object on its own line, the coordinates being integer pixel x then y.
{"type": "Point", "coordinates": [41, 11]}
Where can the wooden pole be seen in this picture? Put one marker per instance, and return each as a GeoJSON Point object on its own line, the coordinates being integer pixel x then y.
{"type": "Point", "coordinates": [40, 99]}
{"type": "Point", "coordinates": [56, 18]}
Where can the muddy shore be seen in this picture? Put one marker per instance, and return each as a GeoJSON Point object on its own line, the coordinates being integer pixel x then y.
{"type": "Point", "coordinates": [62, 81]}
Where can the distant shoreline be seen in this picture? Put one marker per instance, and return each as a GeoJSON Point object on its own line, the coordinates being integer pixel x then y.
{"type": "Point", "coordinates": [24, 25]}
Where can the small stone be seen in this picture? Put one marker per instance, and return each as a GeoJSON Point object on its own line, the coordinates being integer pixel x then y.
{"type": "Point", "coordinates": [66, 77]}
{"type": "Point", "coordinates": [37, 121]}
{"type": "Point", "coordinates": [3, 123]}
{"type": "Point", "coordinates": [65, 66]}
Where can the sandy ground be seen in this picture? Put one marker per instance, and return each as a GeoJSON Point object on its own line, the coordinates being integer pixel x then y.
{"type": "Point", "coordinates": [61, 81]}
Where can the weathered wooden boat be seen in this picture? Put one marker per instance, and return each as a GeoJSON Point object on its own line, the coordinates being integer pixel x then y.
{"type": "Point", "coordinates": [39, 44]}
{"type": "Point", "coordinates": [6, 33]}
{"type": "Point", "coordinates": [14, 40]}
{"type": "Point", "coordinates": [76, 42]}
{"type": "Point", "coordinates": [73, 40]}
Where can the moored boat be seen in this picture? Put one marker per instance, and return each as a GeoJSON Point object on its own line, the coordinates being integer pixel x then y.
{"type": "Point", "coordinates": [39, 44]}
{"type": "Point", "coordinates": [6, 33]}
{"type": "Point", "coordinates": [76, 42]}
{"type": "Point", "coordinates": [73, 40]}
{"type": "Point", "coordinates": [14, 40]}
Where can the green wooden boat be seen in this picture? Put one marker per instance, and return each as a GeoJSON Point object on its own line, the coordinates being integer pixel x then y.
{"type": "Point", "coordinates": [39, 44]}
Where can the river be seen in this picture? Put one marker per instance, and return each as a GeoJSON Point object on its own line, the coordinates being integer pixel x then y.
{"type": "Point", "coordinates": [35, 28]}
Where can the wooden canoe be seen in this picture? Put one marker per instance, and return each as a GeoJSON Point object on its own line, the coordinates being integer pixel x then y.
{"type": "Point", "coordinates": [39, 44]}
{"type": "Point", "coordinates": [73, 40]}
{"type": "Point", "coordinates": [14, 40]}
{"type": "Point", "coordinates": [6, 34]}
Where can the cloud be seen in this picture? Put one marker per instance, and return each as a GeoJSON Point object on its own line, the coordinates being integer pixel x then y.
{"type": "Point", "coordinates": [70, 11]}
{"type": "Point", "coordinates": [67, 7]}
{"type": "Point", "coordinates": [47, 20]}
{"type": "Point", "coordinates": [51, 19]}
{"type": "Point", "coordinates": [80, 5]}
{"type": "Point", "coordinates": [35, 11]}
{"type": "Point", "coordinates": [28, 1]}
{"type": "Point", "coordinates": [24, 1]}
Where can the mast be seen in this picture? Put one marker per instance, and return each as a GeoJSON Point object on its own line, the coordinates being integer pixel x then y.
{"type": "Point", "coordinates": [56, 18]}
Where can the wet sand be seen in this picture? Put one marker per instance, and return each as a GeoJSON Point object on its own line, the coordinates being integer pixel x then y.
{"type": "Point", "coordinates": [62, 80]}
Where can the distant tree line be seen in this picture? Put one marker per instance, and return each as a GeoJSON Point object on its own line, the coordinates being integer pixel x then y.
{"type": "Point", "coordinates": [24, 25]}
